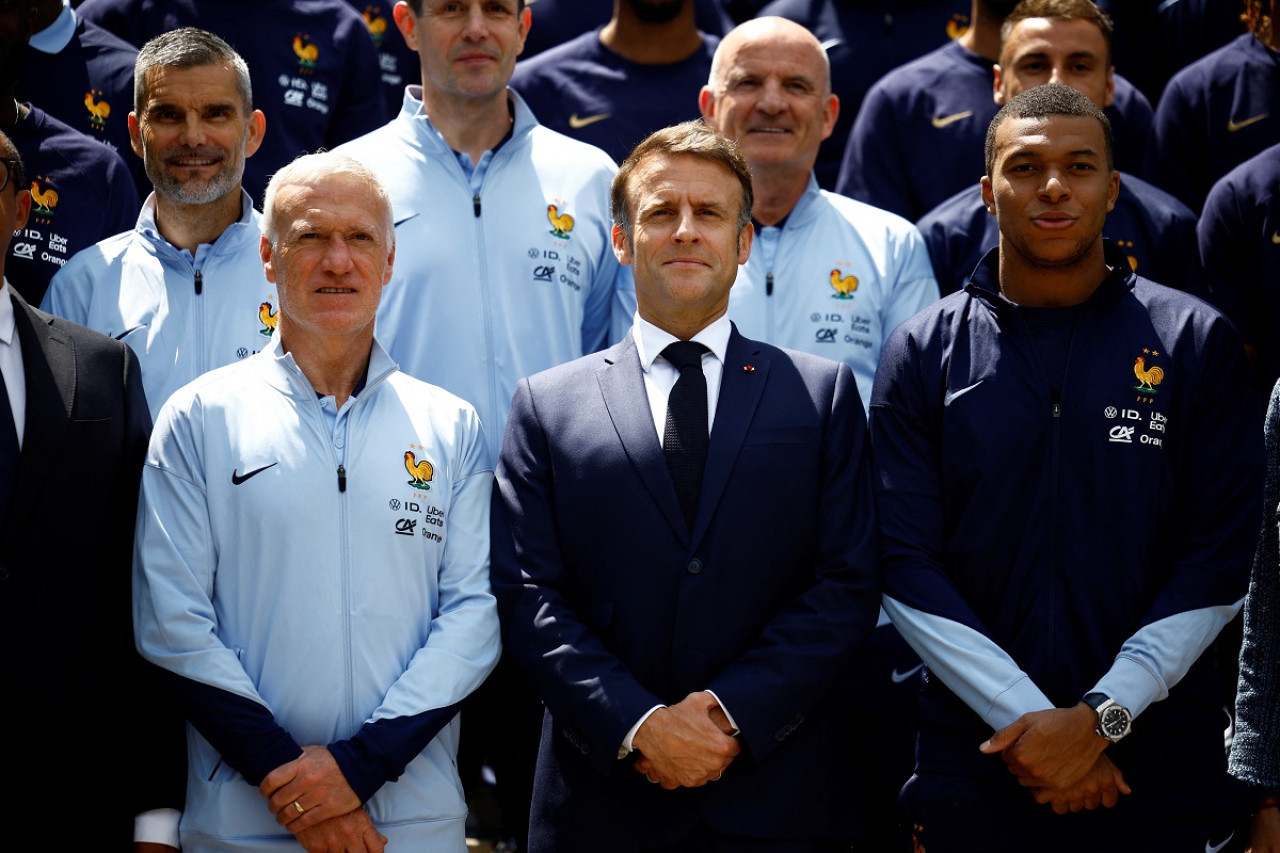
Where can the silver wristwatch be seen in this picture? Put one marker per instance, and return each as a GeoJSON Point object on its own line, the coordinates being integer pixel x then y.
{"type": "Point", "coordinates": [1113, 719]}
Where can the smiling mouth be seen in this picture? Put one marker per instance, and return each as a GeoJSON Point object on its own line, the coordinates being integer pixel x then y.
{"type": "Point", "coordinates": [336, 290]}
{"type": "Point", "coordinates": [194, 162]}
{"type": "Point", "coordinates": [776, 130]}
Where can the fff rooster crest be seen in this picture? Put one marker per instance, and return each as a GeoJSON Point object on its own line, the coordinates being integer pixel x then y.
{"type": "Point", "coordinates": [420, 473]}
{"type": "Point", "coordinates": [1148, 376]}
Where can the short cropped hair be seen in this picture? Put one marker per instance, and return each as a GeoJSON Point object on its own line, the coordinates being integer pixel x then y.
{"type": "Point", "coordinates": [1059, 10]}
{"type": "Point", "coordinates": [416, 6]}
{"type": "Point", "coordinates": [322, 163]}
{"type": "Point", "coordinates": [1051, 99]}
{"type": "Point", "coordinates": [1259, 16]}
{"type": "Point", "coordinates": [188, 47]}
{"type": "Point", "coordinates": [695, 139]}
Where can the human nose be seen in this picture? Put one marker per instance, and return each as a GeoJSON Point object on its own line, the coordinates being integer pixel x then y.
{"type": "Point", "coordinates": [686, 228]}
{"type": "Point", "coordinates": [337, 255]}
{"type": "Point", "coordinates": [1055, 187]}
{"type": "Point", "coordinates": [193, 131]}
{"type": "Point", "coordinates": [1058, 74]}
{"type": "Point", "coordinates": [474, 29]}
{"type": "Point", "coordinates": [771, 98]}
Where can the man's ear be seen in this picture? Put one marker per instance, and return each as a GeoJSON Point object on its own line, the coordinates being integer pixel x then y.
{"type": "Point", "coordinates": [406, 23]}
{"type": "Point", "coordinates": [254, 132]}
{"type": "Point", "coordinates": [707, 105]}
{"type": "Point", "coordinates": [266, 252]}
{"type": "Point", "coordinates": [621, 248]}
{"type": "Point", "coordinates": [135, 134]}
{"type": "Point", "coordinates": [23, 210]}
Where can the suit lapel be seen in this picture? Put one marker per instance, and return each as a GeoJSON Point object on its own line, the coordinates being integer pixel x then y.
{"type": "Point", "coordinates": [741, 386]}
{"type": "Point", "coordinates": [49, 368]}
{"type": "Point", "coordinates": [622, 385]}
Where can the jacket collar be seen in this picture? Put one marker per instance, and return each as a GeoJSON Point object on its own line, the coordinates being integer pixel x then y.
{"type": "Point", "coordinates": [280, 370]}
{"type": "Point", "coordinates": [746, 370]}
{"type": "Point", "coordinates": [248, 226]}
{"type": "Point", "coordinates": [416, 128]}
{"type": "Point", "coordinates": [984, 284]}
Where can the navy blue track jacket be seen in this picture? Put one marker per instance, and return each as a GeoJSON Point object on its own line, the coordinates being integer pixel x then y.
{"type": "Point", "coordinates": [1040, 545]}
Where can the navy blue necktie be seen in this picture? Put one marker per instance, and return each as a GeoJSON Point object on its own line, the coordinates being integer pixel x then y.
{"type": "Point", "coordinates": [685, 435]}
{"type": "Point", "coordinates": [8, 447]}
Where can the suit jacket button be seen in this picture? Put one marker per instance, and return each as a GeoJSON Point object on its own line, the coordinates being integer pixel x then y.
{"type": "Point", "coordinates": [695, 566]}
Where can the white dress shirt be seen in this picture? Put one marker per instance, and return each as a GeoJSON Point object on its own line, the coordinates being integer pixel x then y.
{"type": "Point", "coordinates": [11, 362]}
{"type": "Point", "coordinates": [660, 377]}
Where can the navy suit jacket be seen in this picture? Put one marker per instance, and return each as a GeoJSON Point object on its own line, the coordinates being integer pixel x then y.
{"type": "Point", "coordinates": [78, 693]}
{"type": "Point", "coordinates": [612, 605]}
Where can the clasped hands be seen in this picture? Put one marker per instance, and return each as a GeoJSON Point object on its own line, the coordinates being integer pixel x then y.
{"type": "Point", "coordinates": [311, 798]}
{"type": "Point", "coordinates": [687, 744]}
{"type": "Point", "coordinates": [1058, 754]}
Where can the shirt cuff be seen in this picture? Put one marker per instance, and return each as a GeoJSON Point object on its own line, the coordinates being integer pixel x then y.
{"type": "Point", "coordinates": [736, 731]}
{"type": "Point", "coordinates": [158, 826]}
{"type": "Point", "coordinates": [1131, 684]}
{"type": "Point", "coordinates": [625, 749]}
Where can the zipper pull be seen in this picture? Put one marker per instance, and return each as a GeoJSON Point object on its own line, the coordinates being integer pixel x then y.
{"type": "Point", "coordinates": [768, 283]}
{"type": "Point", "coordinates": [475, 203]}
{"type": "Point", "coordinates": [1057, 406]}
{"type": "Point", "coordinates": [342, 478]}
{"type": "Point", "coordinates": [199, 282]}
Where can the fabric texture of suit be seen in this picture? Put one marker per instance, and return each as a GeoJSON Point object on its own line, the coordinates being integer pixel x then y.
{"type": "Point", "coordinates": [77, 692]}
{"type": "Point", "coordinates": [614, 606]}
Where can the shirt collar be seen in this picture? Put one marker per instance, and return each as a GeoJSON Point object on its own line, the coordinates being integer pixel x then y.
{"type": "Point", "coordinates": [53, 38]}
{"type": "Point", "coordinates": [147, 215]}
{"type": "Point", "coordinates": [7, 327]}
{"type": "Point", "coordinates": [652, 340]}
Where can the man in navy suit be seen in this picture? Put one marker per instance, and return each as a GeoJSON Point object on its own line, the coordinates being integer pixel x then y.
{"type": "Point", "coordinates": [73, 431]}
{"type": "Point", "coordinates": [683, 620]}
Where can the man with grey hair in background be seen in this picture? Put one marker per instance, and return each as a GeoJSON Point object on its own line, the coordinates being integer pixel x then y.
{"type": "Point", "coordinates": [185, 288]}
{"type": "Point", "coordinates": [320, 671]}
{"type": "Point", "coordinates": [831, 276]}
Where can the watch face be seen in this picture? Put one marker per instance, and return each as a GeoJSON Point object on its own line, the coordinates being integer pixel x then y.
{"type": "Point", "coordinates": [1114, 723]}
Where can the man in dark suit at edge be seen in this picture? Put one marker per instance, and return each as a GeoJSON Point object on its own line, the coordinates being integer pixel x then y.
{"type": "Point", "coordinates": [73, 430]}
{"type": "Point", "coordinates": [683, 603]}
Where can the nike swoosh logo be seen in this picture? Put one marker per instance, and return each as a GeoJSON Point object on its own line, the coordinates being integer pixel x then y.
{"type": "Point", "coordinates": [899, 677]}
{"type": "Point", "coordinates": [830, 43]}
{"type": "Point", "coordinates": [943, 121]}
{"type": "Point", "coordinates": [1233, 125]}
{"type": "Point", "coordinates": [953, 395]}
{"type": "Point", "coordinates": [578, 122]}
{"type": "Point", "coordinates": [127, 332]}
{"type": "Point", "coordinates": [237, 479]}
{"type": "Point", "coordinates": [1214, 848]}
